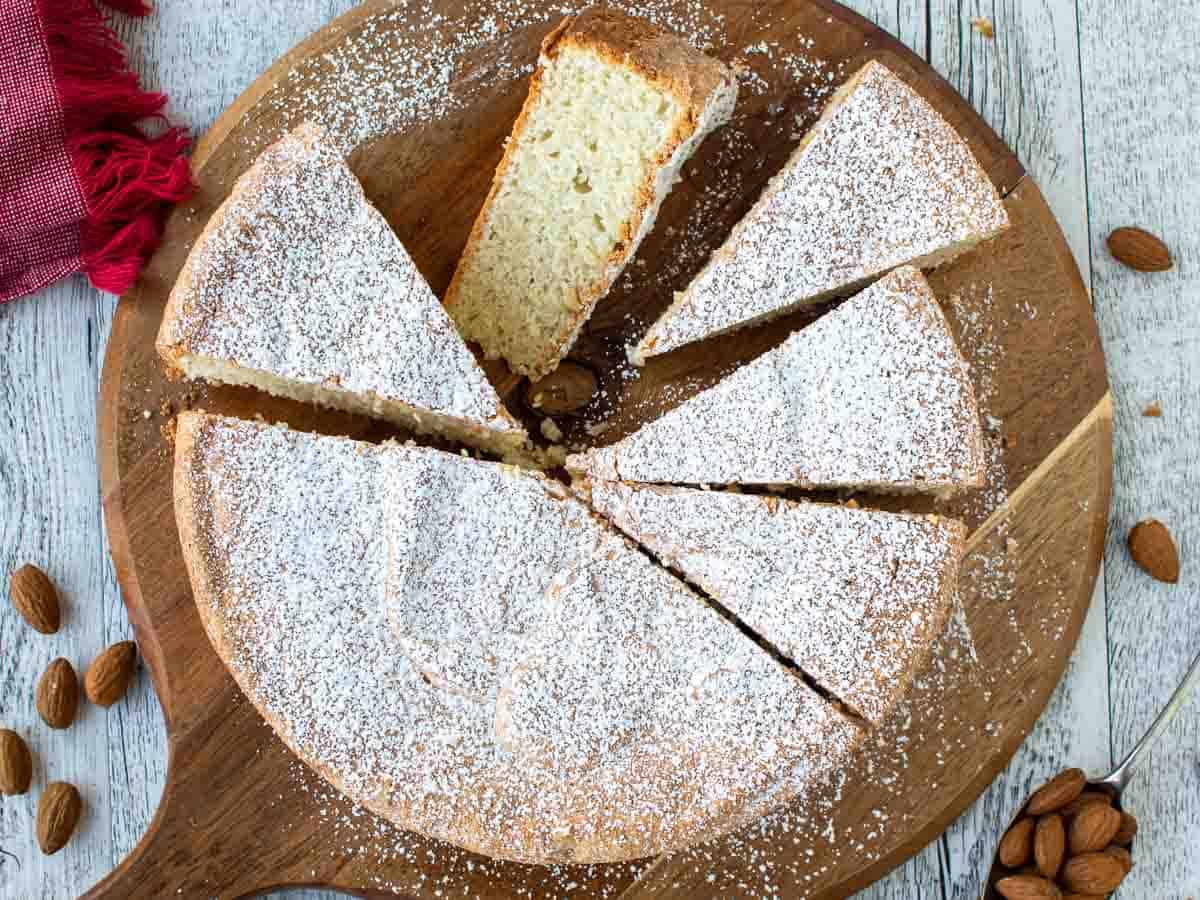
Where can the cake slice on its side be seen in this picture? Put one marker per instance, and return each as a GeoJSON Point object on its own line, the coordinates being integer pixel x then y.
{"type": "Point", "coordinates": [631, 662]}
{"type": "Point", "coordinates": [614, 110]}
{"type": "Point", "coordinates": [882, 180]}
{"type": "Point", "coordinates": [298, 287]}
{"type": "Point", "coordinates": [853, 597]}
{"type": "Point", "coordinates": [473, 547]}
{"type": "Point", "coordinates": [875, 395]}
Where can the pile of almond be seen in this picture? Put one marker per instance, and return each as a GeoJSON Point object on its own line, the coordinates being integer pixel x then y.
{"type": "Point", "coordinates": [1071, 843]}
{"type": "Point", "coordinates": [57, 699]}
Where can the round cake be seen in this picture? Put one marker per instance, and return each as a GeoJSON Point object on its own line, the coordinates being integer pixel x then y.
{"type": "Point", "coordinates": [646, 648]}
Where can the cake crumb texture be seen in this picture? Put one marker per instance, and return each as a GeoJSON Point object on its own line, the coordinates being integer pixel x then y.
{"type": "Point", "coordinates": [615, 108]}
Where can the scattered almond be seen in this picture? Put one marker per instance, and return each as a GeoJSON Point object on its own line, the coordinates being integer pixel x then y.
{"type": "Point", "coordinates": [1094, 828]}
{"type": "Point", "coordinates": [1127, 832]}
{"type": "Point", "coordinates": [1153, 548]}
{"type": "Point", "coordinates": [58, 694]}
{"type": "Point", "coordinates": [1153, 411]}
{"type": "Point", "coordinates": [567, 389]}
{"type": "Point", "coordinates": [109, 674]}
{"type": "Point", "coordinates": [57, 815]}
{"type": "Point", "coordinates": [35, 598]}
{"type": "Point", "coordinates": [1017, 844]}
{"type": "Point", "coordinates": [984, 26]}
{"type": "Point", "coordinates": [1092, 873]}
{"type": "Point", "coordinates": [1049, 844]}
{"type": "Point", "coordinates": [1056, 793]}
{"type": "Point", "coordinates": [1120, 853]}
{"type": "Point", "coordinates": [1140, 250]}
{"type": "Point", "coordinates": [16, 764]}
{"type": "Point", "coordinates": [1027, 887]}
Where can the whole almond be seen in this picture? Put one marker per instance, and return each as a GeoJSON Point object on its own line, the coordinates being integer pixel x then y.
{"type": "Point", "coordinates": [16, 764]}
{"type": "Point", "coordinates": [566, 390]}
{"type": "Point", "coordinates": [1092, 873]}
{"type": "Point", "coordinates": [1049, 844]}
{"type": "Point", "coordinates": [1094, 828]}
{"type": "Point", "coordinates": [35, 598]}
{"type": "Point", "coordinates": [1056, 793]}
{"type": "Point", "coordinates": [1153, 548]}
{"type": "Point", "coordinates": [1075, 896]}
{"type": "Point", "coordinates": [58, 694]}
{"type": "Point", "coordinates": [1085, 799]}
{"type": "Point", "coordinates": [1139, 249]}
{"type": "Point", "coordinates": [109, 675]}
{"type": "Point", "coordinates": [57, 815]}
{"type": "Point", "coordinates": [1027, 887]}
{"type": "Point", "coordinates": [1120, 853]}
{"type": "Point", "coordinates": [1127, 832]}
{"type": "Point", "coordinates": [1017, 844]}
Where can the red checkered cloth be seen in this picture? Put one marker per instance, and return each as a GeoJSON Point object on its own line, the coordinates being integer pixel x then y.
{"type": "Point", "coordinates": [82, 187]}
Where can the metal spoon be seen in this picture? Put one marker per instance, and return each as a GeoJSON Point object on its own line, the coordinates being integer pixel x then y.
{"type": "Point", "coordinates": [1118, 779]}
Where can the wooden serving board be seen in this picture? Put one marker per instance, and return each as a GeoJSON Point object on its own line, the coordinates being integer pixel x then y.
{"type": "Point", "coordinates": [427, 96]}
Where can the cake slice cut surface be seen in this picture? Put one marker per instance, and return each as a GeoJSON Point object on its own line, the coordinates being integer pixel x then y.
{"type": "Point", "coordinates": [299, 287]}
{"type": "Point", "coordinates": [881, 180]}
{"type": "Point", "coordinates": [614, 110]}
{"type": "Point", "coordinates": [875, 395]}
{"type": "Point", "coordinates": [854, 597]}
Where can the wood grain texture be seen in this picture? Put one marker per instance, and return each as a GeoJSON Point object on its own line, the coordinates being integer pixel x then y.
{"type": "Point", "coordinates": [1143, 151]}
{"type": "Point", "coordinates": [203, 56]}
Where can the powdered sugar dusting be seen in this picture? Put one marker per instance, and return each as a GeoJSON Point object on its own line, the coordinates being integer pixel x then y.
{"type": "Point", "coordinates": [854, 597]}
{"type": "Point", "coordinates": [403, 67]}
{"type": "Point", "coordinates": [288, 543]}
{"type": "Point", "coordinates": [300, 277]}
{"type": "Point", "coordinates": [884, 181]}
{"type": "Point", "coordinates": [461, 606]}
{"type": "Point", "coordinates": [875, 394]}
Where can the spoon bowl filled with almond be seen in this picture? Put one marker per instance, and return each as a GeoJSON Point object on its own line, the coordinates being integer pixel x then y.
{"type": "Point", "coordinates": [1073, 839]}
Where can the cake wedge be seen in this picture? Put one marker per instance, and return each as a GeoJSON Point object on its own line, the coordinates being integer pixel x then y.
{"type": "Point", "coordinates": [872, 396]}
{"type": "Point", "coordinates": [854, 597]}
{"type": "Point", "coordinates": [881, 180]}
{"type": "Point", "coordinates": [615, 108]}
{"type": "Point", "coordinates": [298, 286]}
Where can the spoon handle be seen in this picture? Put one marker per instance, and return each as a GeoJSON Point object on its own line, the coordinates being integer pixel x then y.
{"type": "Point", "coordinates": [1124, 772]}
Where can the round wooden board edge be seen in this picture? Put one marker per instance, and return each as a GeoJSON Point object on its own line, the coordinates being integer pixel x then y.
{"type": "Point", "coordinates": [1100, 417]}
{"type": "Point", "coordinates": [113, 371]}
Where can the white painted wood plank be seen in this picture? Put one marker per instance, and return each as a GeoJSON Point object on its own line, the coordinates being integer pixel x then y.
{"type": "Point", "coordinates": [230, 49]}
{"type": "Point", "coordinates": [1025, 82]}
{"type": "Point", "coordinates": [1143, 147]}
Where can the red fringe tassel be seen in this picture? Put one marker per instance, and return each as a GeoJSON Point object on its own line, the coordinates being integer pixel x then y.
{"type": "Point", "coordinates": [130, 180]}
